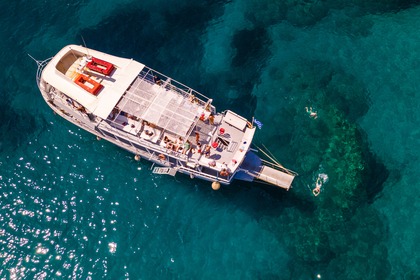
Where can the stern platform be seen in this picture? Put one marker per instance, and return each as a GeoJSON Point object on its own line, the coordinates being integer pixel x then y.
{"type": "Point", "coordinates": [276, 177]}
{"type": "Point", "coordinates": [253, 168]}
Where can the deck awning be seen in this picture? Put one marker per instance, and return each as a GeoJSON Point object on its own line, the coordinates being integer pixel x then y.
{"type": "Point", "coordinates": [161, 106]}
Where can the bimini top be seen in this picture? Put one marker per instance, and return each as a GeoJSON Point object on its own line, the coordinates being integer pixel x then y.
{"type": "Point", "coordinates": [65, 72]}
{"type": "Point", "coordinates": [165, 105]}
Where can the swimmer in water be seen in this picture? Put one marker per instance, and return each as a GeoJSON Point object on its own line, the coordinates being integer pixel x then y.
{"type": "Point", "coordinates": [317, 189]}
{"type": "Point", "coordinates": [311, 113]}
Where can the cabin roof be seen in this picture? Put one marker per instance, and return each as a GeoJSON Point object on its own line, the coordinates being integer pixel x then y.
{"type": "Point", "coordinates": [114, 86]}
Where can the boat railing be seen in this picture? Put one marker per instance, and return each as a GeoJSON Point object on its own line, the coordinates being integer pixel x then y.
{"type": "Point", "coordinates": [59, 97]}
{"type": "Point", "coordinates": [272, 161]}
{"type": "Point", "coordinates": [152, 151]}
{"type": "Point", "coordinates": [148, 74]}
{"type": "Point", "coordinates": [135, 140]}
{"type": "Point", "coordinates": [203, 174]}
{"type": "Point", "coordinates": [41, 65]}
{"type": "Point", "coordinates": [279, 167]}
{"type": "Point", "coordinates": [115, 132]}
{"type": "Point", "coordinates": [141, 146]}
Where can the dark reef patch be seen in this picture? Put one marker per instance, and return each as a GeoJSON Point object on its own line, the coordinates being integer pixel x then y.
{"type": "Point", "coordinates": [333, 144]}
{"type": "Point", "coordinates": [306, 13]}
{"type": "Point", "coordinates": [251, 46]}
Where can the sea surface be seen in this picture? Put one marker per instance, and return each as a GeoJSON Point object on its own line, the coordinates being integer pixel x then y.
{"type": "Point", "coordinates": [74, 207]}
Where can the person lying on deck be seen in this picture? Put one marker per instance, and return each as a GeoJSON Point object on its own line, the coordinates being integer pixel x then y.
{"type": "Point", "coordinates": [207, 151]}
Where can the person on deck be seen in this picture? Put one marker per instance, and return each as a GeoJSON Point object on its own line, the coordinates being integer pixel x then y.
{"type": "Point", "coordinates": [224, 172]}
{"type": "Point", "coordinates": [211, 119]}
{"type": "Point", "coordinates": [157, 80]}
{"type": "Point", "coordinates": [187, 147]}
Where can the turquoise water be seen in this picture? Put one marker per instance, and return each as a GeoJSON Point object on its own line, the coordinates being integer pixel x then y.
{"type": "Point", "coordinates": [75, 207]}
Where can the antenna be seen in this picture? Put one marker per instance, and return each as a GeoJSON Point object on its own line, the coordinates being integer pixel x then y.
{"type": "Point", "coordinates": [37, 61]}
{"type": "Point", "coordinates": [87, 50]}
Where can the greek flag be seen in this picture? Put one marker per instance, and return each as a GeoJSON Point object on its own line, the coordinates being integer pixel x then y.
{"type": "Point", "coordinates": [258, 123]}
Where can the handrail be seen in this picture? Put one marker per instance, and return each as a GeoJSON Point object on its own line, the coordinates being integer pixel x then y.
{"type": "Point", "coordinates": [180, 87]}
{"type": "Point", "coordinates": [280, 168]}
{"type": "Point", "coordinates": [41, 65]}
{"type": "Point", "coordinates": [195, 172]}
